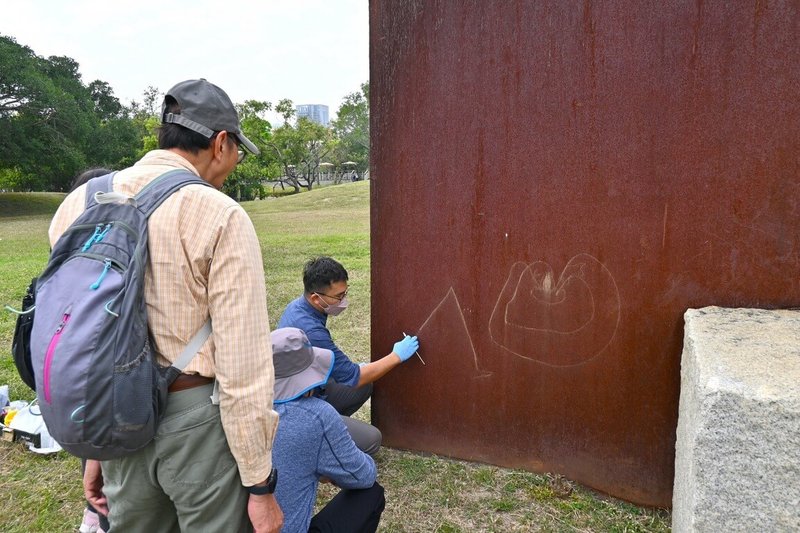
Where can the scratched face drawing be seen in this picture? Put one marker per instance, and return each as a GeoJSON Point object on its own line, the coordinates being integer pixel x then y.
{"type": "Point", "coordinates": [557, 321]}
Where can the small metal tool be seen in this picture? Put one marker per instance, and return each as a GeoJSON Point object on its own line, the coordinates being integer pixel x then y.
{"type": "Point", "coordinates": [418, 355]}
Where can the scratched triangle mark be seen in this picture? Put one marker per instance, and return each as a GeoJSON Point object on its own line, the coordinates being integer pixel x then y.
{"type": "Point", "coordinates": [445, 330]}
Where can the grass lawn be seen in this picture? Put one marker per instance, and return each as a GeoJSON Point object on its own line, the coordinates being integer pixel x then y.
{"type": "Point", "coordinates": [423, 493]}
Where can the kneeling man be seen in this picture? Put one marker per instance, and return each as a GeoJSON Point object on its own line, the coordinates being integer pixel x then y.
{"type": "Point", "coordinates": [325, 294]}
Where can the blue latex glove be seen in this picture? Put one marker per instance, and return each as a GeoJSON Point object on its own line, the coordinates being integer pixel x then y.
{"type": "Point", "coordinates": [406, 347]}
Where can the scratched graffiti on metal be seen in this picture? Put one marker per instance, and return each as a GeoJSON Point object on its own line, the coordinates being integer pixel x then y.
{"type": "Point", "coordinates": [448, 316]}
{"type": "Point", "coordinates": [560, 322]}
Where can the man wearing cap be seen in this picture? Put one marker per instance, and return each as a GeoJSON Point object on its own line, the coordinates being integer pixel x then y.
{"type": "Point", "coordinates": [209, 467]}
{"type": "Point", "coordinates": [313, 444]}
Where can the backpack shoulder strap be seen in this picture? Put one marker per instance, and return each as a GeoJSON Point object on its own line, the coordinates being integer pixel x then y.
{"type": "Point", "coordinates": [96, 185]}
{"type": "Point", "coordinates": [147, 201]}
{"type": "Point", "coordinates": [193, 347]}
{"type": "Point", "coordinates": [158, 190]}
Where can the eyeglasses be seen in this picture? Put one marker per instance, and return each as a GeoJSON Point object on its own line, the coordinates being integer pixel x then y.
{"type": "Point", "coordinates": [240, 153]}
{"type": "Point", "coordinates": [339, 297]}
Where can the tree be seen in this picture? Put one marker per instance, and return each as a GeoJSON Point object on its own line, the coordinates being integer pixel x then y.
{"type": "Point", "coordinates": [117, 141]}
{"type": "Point", "coordinates": [51, 124]}
{"type": "Point", "coordinates": [246, 181]}
{"type": "Point", "coordinates": [21, 80]}
{"type": "Point", "coordinates": [299, 148]}
{"type": "Point", "coordinates": [46, 117]}
{"type": "Point", "coordinates": [152, 101]}
{"type": "Point", "coordinates": [106, 105]}
{"type": "Point", "coordinates": [146, 120]}
{"type": "Point", "coordinates": [351, 128]}
{"type": "Point", "coordinates": [285, 109]}
{"type": "Point", "coordinates": [118, 132]}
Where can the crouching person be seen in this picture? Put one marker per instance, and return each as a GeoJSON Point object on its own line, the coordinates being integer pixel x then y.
{"type": "Point", "coordinates": [313, 444]}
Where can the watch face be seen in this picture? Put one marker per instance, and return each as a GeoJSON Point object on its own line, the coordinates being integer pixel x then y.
{"type": "Point", "coordinates": [269, 488]}
{"type": "Point", "coordinates": [272, 480]}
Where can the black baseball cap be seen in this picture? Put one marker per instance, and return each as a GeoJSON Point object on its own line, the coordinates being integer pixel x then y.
{"type": "Point", "coordinates": [205, 109]}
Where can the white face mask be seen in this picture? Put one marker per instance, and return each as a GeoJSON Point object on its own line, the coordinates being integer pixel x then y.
{"type": "Point", "coordinates": [333, 309]}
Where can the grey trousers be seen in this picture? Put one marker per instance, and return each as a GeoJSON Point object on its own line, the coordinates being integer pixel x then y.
{"type": "Point", "coordinates": [347, 400]}
{"type": "Point", "coordinates": [367, 437]}
{"type": "Point", "coordinates": [185, 480]}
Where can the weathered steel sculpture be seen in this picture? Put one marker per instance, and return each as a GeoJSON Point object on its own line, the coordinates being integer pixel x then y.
{"type": "Point", "coordinates": [554, 184]}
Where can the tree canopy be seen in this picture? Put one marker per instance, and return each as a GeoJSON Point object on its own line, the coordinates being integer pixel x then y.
{"type": "Point", "coordinates": [351, 127]}
{"type": "Point", "coordinates": [53, 125]}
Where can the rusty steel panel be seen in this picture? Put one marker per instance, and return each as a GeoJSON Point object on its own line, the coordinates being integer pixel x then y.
{"type": "Point", "coordinates": [554, 184]}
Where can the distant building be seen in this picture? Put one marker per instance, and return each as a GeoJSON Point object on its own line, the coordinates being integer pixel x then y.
{"type": "Point", "coordinates": [314, 112]}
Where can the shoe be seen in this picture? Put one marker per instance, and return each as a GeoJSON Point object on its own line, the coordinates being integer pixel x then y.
{"type": "Point", "coordinates": [91, 522]}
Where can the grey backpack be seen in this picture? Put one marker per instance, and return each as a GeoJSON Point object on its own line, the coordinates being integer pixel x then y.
{"type": "Point", "coordinates": [100, 390]}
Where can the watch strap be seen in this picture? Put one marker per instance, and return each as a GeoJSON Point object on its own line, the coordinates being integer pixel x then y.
{"type": "Point", "coordinates": [268, 488]}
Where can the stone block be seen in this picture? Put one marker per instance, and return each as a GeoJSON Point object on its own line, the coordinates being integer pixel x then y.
{"type": "Point", "coordinates": [737, 463]}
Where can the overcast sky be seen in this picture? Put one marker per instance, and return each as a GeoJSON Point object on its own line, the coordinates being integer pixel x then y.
{"type": "Point", "coordinates": [310, 51]}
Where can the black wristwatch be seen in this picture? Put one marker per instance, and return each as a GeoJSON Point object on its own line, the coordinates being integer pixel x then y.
{"type": "Point", "coordinates": [269, 488]}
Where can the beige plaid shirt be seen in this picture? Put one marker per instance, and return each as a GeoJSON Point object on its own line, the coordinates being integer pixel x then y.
{"type": "Point", "coordinates": [205, 260]}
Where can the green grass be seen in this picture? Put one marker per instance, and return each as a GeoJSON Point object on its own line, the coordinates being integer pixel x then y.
{"type": "Point", "coordinates": [424, 493]}
{"type": "Point", "coordinates": [15, 204]}
{"type": "Point", "coordinates": [45, 492]}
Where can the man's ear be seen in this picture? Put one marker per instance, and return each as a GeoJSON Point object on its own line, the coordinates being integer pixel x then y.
{"type": "Point", "coordinates": [220, 144]}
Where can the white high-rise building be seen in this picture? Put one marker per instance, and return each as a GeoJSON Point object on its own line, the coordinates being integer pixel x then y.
{"type": "Point", "coordinates": [314, 112]}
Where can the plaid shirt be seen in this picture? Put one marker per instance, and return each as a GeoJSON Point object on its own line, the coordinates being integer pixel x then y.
{"type": "Point", "coordinates": [205, 260]}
